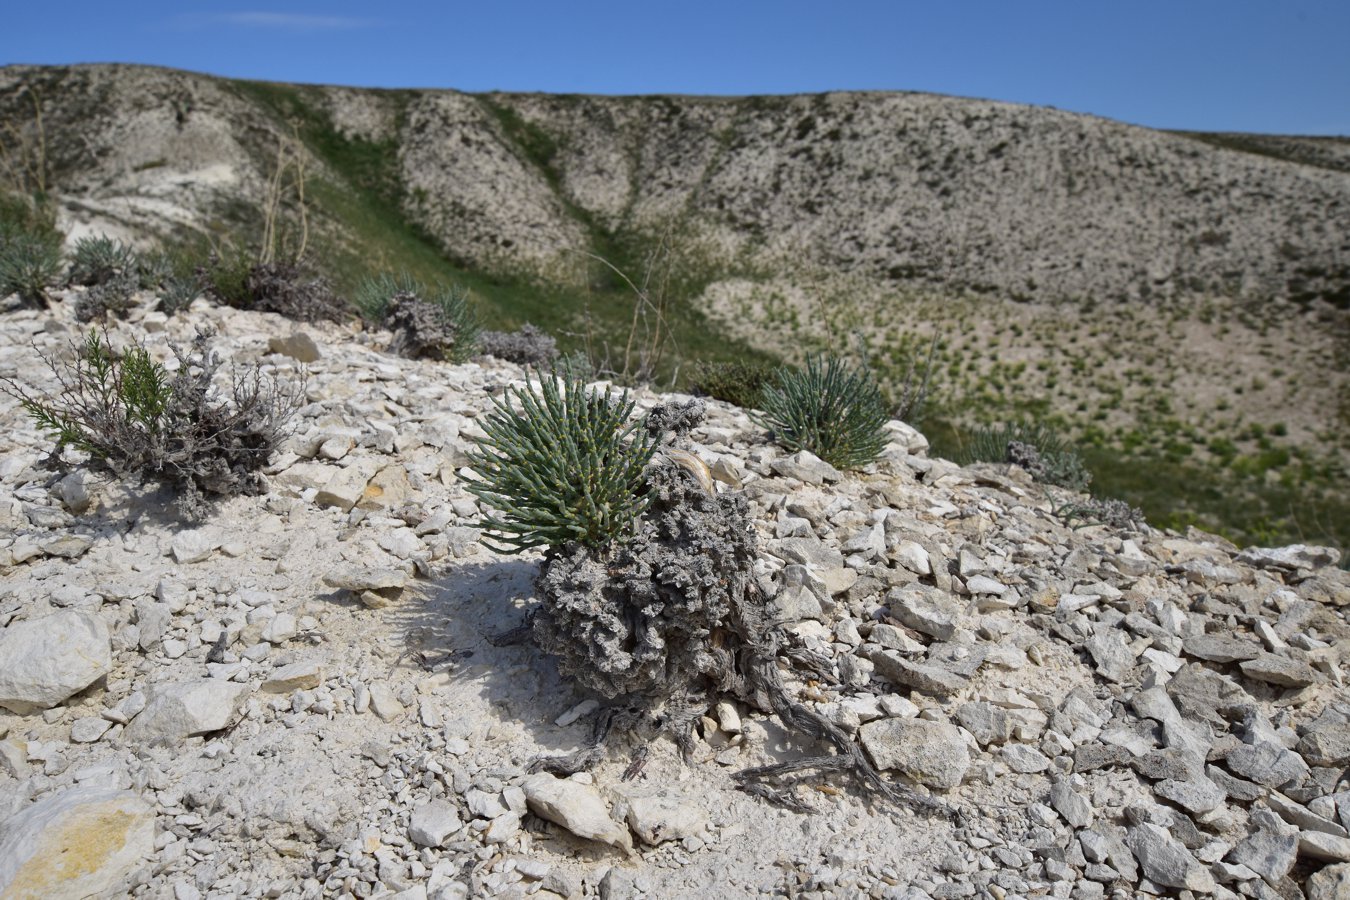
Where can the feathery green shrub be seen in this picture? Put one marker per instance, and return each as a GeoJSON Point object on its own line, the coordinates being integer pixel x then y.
{"type": "Point", "coordinates": [834, 411]}
{"type": "Point", "coordinates": [134, 418]}
{"type": "Point", "coordinates": [567, 467]}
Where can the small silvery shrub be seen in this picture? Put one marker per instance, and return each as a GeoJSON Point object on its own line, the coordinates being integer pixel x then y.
{"type": "Point", "coordinates": [529, 346]}
{"type": "Point", "coordinates": [134, 418]}
{"type": "Point", "coordinates": [114, 296]}
{"type": "Point", "coordinates": [828, 408]}
{"type": "Point", "coordinates": [1035, 447]}
{"type": "Point", "coordinates": [293, 291]}
{"type": "Point", "coordinates": [427, 322]}
{"type": "Point", "coordinates": [566, 467]}
{"type": "Point", "coordinates": [1097, 511]}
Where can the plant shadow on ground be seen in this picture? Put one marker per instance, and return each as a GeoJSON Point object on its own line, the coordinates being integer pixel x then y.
{"type": "Point", "coordinates": [118, 508]}
{"type": "Point", "coordinates": [448, 623]}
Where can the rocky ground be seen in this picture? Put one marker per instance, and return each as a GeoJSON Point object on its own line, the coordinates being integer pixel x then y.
{"type": "Point", "coordinates": [300, 697]}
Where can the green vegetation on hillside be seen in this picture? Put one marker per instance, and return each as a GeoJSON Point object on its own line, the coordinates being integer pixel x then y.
{"type": "Point", "coordinates": [362, 204]}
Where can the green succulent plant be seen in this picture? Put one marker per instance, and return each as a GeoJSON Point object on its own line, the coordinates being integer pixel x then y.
{"type": "Point", "coordinates": [29, 265]}
{"type": "Point", "coordinates": [829, 408]}
{"type": "Point", "coordinates": [566, 467]}
{"type": "Point", "coordinates": [99, 259]}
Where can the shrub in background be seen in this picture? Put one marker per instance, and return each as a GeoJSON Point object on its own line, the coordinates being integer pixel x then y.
{"type": "Point", "coordinates": [136, 419]}
{"type": "Point", "coordinates": [29, 266]}
{"type": "Point", "coordinates": [566, 467]}
{"type": "Point", "coordinates": [115, 295]}
{"type": "Point", "coordinates": [1096, 511]}
{"type": "Point", "coordinates": [734, 382]}
{"type": "Point", "coordinates": [427, 322]}
{"type": "Point", "coordinates": [1035, 447]}
{"type": "Point", "coordinates": [174, 274]}
{"type": "Point", "coordinates": [293, 291]}
{"type": "Point", "coordinates": [529, 346]}
{"type": "Point", "coordinates": [829, 408]}
{"type": "Point", "coordinates": [223, 276]}
{"type": "Point", "coordinates": [99, 260]}
{"type": "Point", "coordinates": [232, 277]}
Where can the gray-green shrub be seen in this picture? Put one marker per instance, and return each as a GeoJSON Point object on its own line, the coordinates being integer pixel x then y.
{"type": "Point", "coordinates": [829, 408]}
{"type": "Point", "coordinates": [428, 322]}
{"type": "Point", "coordinates": [30, 265]}
{"type": "Point", "coordinates": [136, 419]}
{"type": "Point", "coordinates": [99, 260]}
{"type": "Point", "coordinates": [1035, 447]}
{"type": "Point", "coordinates": [566, 467]}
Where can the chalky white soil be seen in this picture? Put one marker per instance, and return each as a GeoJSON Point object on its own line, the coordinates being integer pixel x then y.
{"type": "Point", "coordinates": [1107, 713]}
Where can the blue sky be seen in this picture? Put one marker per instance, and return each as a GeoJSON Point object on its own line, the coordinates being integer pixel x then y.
{"type": "Point", "coordinates": [1229, 65]}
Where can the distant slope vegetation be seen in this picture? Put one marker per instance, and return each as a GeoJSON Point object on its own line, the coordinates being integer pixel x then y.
{"type": "Point", "coordinates": [969, 195]}
{"type": "Point", "coordinates": [1175, 298]}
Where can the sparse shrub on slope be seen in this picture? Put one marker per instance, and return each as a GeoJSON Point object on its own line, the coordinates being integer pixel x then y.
{"type": "Point", "coordinates": [735, 382]}
{"type": "Point", "coordinates": [99, 260]}
{"type": "Point", "coordinates": [529, 346]}
{"type": "Point", "coordinates": [114, 296]}
{"type": "Point", "coordinates": [646, 590]}
{"type": "Point", "coordinates": [1035, 447]}
{"type": "Point", "coordinates": [136, 419]}
{"type": "Point", "coordinates": [1094, 511]}
{"type": "Point", "coordinates": [828, 408]}
{"type": "Point", "coordinates": [223, 277]}
{"type": "Point", "coordinates": [427, 322]}
{"type": "Point", "coordinates": [291, 289]}
{"type": "Point", "coordinates": [29, 266]}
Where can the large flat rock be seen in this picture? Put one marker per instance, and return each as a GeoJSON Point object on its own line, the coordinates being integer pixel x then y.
{"type": "Point", "coordinates": [82, 842]}
{"type": "Point", "coordinates": [46, 660]}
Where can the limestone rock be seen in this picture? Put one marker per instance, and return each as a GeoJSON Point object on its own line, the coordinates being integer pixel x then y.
{"type": "Point", "coordinates": [180, 710]}
{"type": "Point", "coordinates": [346, 486]}
{"type": "Point", "coordinates": [1279, 670]}
{"type": "Point", "coordinates": [928, 611]}
{"type": "Point", "coordinates": [1326, 746]}
{"type": "Point", "coordinates": [1331, 883]}
{"type": "Point", "coordinates": [301, 676]}
{"type": "Point", "coordinates": [576, 807]}
{"type": "Point", "coordinates": [1296, 556]}
{"type": "Point", "coordinates": [44, 661]}
{"type": "Point", "coordinates": [1071, 805]}
{"type": "Point", "coordinates": [924, 678]}
{"type": "Point", "coordinates": [806, 467]}
{"type": "Point", "coordinates": [297, 345]}
{"type": "Point", "coordinates": [82, 842]}
{"type": "Point", "coordinates": [433, 823]}
{"type": "Point", "coordinates": [659, 817]}
{"type": "Point", "coordinates": [1114, 660]}
{"type": "Point", "coordinates": [931, 753]}
{"type": "Point", "coordinates": [1165, 861]}
{"type": "Point", "coordinates": [193, 545]}
{"type": "Point", "coordinates": [1268, 853]}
